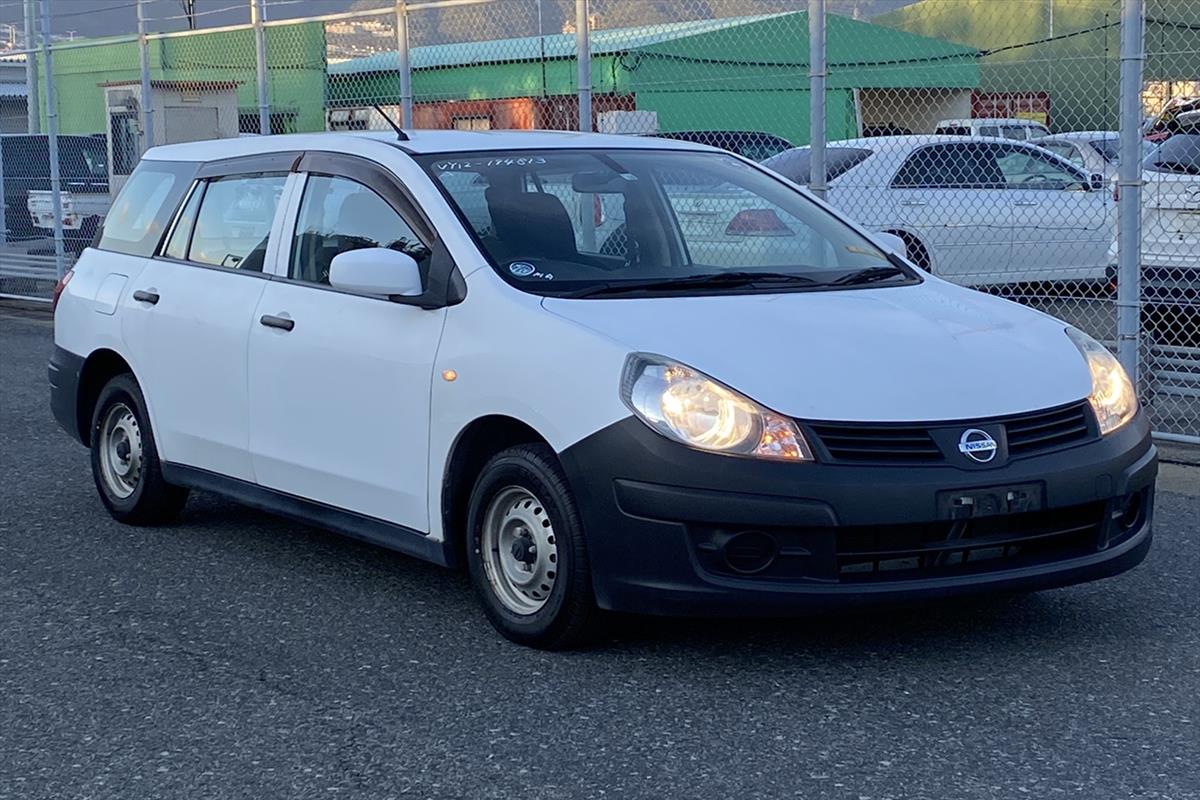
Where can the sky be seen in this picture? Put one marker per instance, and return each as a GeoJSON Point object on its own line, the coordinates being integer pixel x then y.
{"type": "Point", "coordinates": [88, 18]}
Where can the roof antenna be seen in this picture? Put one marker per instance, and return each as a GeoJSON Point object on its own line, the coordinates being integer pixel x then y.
{"type": "Point", "coordinates": [399, 131]}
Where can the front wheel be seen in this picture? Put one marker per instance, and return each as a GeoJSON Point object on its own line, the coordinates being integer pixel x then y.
{"type": "Point", "coordinates": [125, 462]}
{"type": "Point", "coordinates": [526, 551]}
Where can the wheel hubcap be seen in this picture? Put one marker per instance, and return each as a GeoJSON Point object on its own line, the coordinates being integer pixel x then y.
{"type": "Point", "coordinates": [120, 450]}
{"type": "Point", "coordinates": [520, 552]}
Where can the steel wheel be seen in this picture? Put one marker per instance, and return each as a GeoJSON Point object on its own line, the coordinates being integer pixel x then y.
{"type": "Point", "coordinates": [121, 455]}
{"type": "Point", "coordinates": [519, 549]}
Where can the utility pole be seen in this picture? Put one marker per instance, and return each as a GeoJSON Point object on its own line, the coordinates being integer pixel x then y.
{"type": "Point", "coordinates": [260, 64]}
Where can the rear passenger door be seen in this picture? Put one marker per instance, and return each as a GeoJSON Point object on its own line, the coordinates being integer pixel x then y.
{"type": "Point", "coordinates": [187, 320]}
{"type": "Point", "coordinates": [339, 392]}
{"type": "Point", "coordinates": [952, 196]}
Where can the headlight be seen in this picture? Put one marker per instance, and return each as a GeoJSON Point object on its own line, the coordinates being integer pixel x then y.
{"type": "Point", "coordinates": [689, 407]}
{"type": "Point", "coordinates": [1112, 397]}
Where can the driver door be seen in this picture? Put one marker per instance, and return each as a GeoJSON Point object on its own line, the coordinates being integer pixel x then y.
{"type": "Point", "coordinates": [340, 382]}
{"type": "Point", "coordinates": [1061, 228]}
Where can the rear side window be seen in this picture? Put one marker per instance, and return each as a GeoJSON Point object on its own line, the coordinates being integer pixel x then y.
{"type": "Point", "coordinates": [144, 207]}
{"type": "Point", "coordinates": [1179, 154]}
{"type": "Point", "coordinates": [234, 221]}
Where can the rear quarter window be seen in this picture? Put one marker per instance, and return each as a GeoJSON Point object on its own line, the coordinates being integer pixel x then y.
{"type": "Point", "coordinates": [143, 209]}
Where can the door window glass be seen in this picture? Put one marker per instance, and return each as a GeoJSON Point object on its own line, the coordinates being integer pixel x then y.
{"type": "Point", "coordinates": [177, 246]}
{"type": "Point", "coordinates": [989, 130]}
{"type": "Point", "coordinates": [1026, 168]}
{"type": "Point", "coordinates": [144, 207]}
{"type": "Point", "coordinates": [962, 165]}
{"type": "Point", "coordinates": [234, 221]}
{"type": "Point", "coordinates": [1067, 151]}
{"type": "Point", "coordinates": [338, 215]}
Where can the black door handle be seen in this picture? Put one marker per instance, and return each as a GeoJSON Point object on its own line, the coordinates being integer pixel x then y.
{"type": "Point", "coordinates": [143, 296]}
{"type": "Point", "coordinates": [283, 323]}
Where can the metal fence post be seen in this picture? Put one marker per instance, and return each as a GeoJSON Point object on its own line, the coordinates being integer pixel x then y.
{"type": "Point", "coordinates": [404, 65]}
{"type": "Point", "coordinates": [52, 143]}
{"type": "Point", "coordinates": [32, 106]}
{"type": "Point", "coordinates": [3, 200]}
{"type": "Point", "coordinates": [260, 65]}
{"type": "Point", "coordinates": [1129, 181]}
{"type": "Point", "coordinates": [583, 53]}
{"type": "Point", "coordinates": [816, 100]}
{"type": "Point", "coordinates": [144, 53]}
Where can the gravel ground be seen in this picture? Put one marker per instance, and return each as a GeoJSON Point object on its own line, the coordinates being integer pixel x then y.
{"type": "Point", "coordinates": [236, 654]}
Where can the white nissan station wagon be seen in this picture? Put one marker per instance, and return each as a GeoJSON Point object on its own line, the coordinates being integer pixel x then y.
{"type": "Point", "coordinates": [601, 372]}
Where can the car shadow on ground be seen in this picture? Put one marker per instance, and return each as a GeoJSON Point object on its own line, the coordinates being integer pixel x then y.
{"type": "Point", "coordinates": [979, 623]}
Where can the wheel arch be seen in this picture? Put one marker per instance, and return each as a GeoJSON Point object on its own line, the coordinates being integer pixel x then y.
{"type": "Point", "coordinates": [98, 369]}
{"type": "Point", "coordinates": [475, 444]}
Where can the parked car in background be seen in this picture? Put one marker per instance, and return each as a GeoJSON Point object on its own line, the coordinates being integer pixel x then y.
{"type": "Point", "coordinates": [1171, 119]}
{"type": "Point", "coordinates": [1019, 129]}
{"type": "Point", "coordinates": [1170, 245]}
{"type": "Point", "coordinates": [976, 210]}
{"type": "Point", "coordinates": [1098, 152]}
{"type": "Point", "coordinates": [754, 145]}
{"type": "Point", "coordinates": [305, 323]}
{"type": "Point", "coordinates": [83, 171]}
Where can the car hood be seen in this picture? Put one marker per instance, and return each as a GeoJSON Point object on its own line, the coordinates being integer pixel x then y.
{"type": "Point", "coordinates": [933, 351]}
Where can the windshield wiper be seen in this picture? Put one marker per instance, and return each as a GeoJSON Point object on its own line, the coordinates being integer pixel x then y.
{"type": "Point", "coordinates": [717, 280]}
{"type": "Point", "coordinates": [868, 275]}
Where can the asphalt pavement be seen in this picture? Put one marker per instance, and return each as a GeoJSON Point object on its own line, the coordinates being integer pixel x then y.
{"type": "Point", "coordinates": [239, 655]}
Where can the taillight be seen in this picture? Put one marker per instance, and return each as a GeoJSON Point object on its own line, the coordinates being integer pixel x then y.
{"type": "Point", "coordinates": [1116, 192]}
{"type": "Point", "coordinates": [58, 288]}
{"type": "Point", "coordinates": [757, 222]}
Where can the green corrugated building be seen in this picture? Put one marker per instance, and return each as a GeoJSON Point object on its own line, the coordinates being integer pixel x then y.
{"type": "Point", "coordinates": [295, 67]}
{"type": "Point", "coordinates": [747, 73]}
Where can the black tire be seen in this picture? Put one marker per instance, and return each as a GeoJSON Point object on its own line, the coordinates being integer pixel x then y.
{"type": "Point", "coordinates": [152, 501]}
{"type": "Point", "coordinates": [569, 615]}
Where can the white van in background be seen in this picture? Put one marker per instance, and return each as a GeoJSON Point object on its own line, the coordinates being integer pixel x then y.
{"type": "Point", "coordinates": [1004, 128]}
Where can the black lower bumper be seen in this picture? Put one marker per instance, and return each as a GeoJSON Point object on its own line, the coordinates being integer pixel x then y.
{"type": "Point", "coordinates": [64, 372]}
{"type": "Point", "coordinates": [676, 531]}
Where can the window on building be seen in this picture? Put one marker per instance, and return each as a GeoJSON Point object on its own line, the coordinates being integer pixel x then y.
{"type": "Point", "coordinates": [477, 123]}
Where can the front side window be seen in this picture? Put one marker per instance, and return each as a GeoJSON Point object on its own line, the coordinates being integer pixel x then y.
{"type": "Point", "coordinates": [234, 221]}
{"type": "Point", "coordinates": [1026, 168]}
{"type": "Point", "coordinates": [338, 215]}
{"type": "Point", "coordinates": [569, 221]}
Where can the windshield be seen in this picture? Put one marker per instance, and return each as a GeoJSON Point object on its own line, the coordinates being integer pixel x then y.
{"type": "Point", "coordinates": [1180, 153]}
{"type": "Point", "coordinates": [564, 221]}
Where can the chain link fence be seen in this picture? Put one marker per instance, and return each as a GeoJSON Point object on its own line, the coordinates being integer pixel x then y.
{"type": "Point", "coordinates": [987, 136]}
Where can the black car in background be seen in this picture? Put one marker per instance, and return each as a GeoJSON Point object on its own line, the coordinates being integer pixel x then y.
{"type": "Point", "coordinates": [83, 170]}
{"type": "Point", "coordinates": [754, 145]}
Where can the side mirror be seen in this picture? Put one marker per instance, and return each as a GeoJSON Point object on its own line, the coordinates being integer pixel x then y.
{"type": "Point", "coordinates": [891, 243]}
{"type": "Point", "coordinates": [1098, 183]}
{"type": "Point", "coordinates": [376, 271]}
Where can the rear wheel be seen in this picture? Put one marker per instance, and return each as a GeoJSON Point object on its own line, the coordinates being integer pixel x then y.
{"type": "Point", "coordinates": [526, 552]}
{"type": "Point", "coordinates": [125, 462]}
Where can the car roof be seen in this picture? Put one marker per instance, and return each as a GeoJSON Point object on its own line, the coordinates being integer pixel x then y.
{"type": "Point", "coordinates": [1078, 136]}
{"type": "Point", "coordinates": [915, 140]}
{"type": "Point", "coordinates": [991, 121]}
{"type": "Point", "coordinates": [419, 141]}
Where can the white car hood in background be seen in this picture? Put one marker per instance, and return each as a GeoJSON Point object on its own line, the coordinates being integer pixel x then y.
{"type": "Point", "coordinates": [915, 353]}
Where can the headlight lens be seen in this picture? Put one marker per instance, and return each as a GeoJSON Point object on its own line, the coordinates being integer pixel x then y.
{"type": "Point", "coordinates": [689, 407]}
{"type": "Point", "coordinates": [1112, 397]}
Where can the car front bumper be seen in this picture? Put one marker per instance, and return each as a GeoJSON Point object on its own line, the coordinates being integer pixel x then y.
{"type": "Point", "coordinates": [676, 531]}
